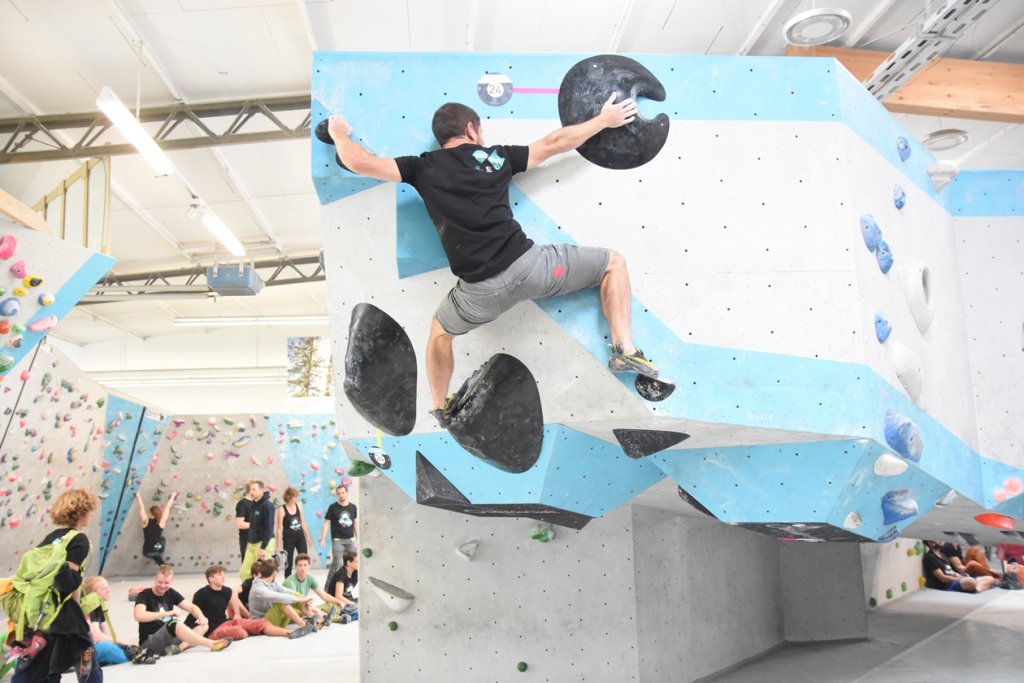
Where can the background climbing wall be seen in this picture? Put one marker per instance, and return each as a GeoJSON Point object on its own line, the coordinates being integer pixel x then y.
{"type": "Point", "coordinates": [891, 570]}
{"type": "Point", "coordinates": [54, 440]}
{"type": "Point", "coordinates": [207, 460]}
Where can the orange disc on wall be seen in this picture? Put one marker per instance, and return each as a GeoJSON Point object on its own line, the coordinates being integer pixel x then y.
{"type": "Point", "coordinates": [995, 520]}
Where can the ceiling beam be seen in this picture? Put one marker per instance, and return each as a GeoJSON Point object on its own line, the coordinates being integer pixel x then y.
{"type": "Point", "coordinates": [26, 135]}
{"type": "Point", "coordinates": [958, 88]}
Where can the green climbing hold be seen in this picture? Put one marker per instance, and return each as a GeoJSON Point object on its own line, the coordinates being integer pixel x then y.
{"type": "Point", "coordinates": [367, 552]}
{"type": "Point", "coordinates": [227, 420]}
{"type": "Point", "coordinates": [888, 594]}
{"type": "Point", "coordinates": [521, 666]}
{"type": "Point", "coordinates": [100, 402]}
{"type": "Point", "coordinates": [543, 532]}
{"type": "Point", "coordinates": [360, 468]}
{"type": "Point", "coordinates": [873, 603]}
{"type": "Point", "coordinates": [393, 625]}
{"type": "Point", "coordinates": [903, 586]}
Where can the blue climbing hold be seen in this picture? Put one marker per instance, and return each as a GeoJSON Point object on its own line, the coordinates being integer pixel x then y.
{"type": "Point", "coordinates": [897, 506]}
{"type": "Point", "coordinates": [903, 147]}
{"type": "Point", "coordinates": [10, 307]}
{"type": "Point", "coordinates": [899, 196]}
{"type": "Point", "coordinates": [890, 535]}
{"type": "Point", "coordinates": [884, 256]}
{"type": "Point", "coordinates": [882, 328]}
{"type": "Point", "coordinates": [871, 232]}
{"type": "Point", "coordinates": [903, 436]}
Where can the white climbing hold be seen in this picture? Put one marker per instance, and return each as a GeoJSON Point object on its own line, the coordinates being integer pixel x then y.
{"type": "Point", "coordinates": [852, 521]}
{"type": "Point", "coordinates": [888, 465]}
{"type": "Point", "coordinates": [916, 280]}
{"type": "Point", "coordinates": [909, 368]}
{"type": "Point", "coordinates": [468, 549]}
{"type": "Point", "coordinates": [396, 599]}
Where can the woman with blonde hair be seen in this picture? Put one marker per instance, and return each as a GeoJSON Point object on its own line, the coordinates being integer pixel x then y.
{"type": "Point", "coordinates": [68, 643]}
{"type": "Point", "coordinates": [109, 650]}
{"type": "Point", "coordinates": [154, 545]}
{"type": "Point", "coordinates": [290, 529]}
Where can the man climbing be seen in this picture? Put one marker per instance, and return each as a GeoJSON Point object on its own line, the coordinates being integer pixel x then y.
{"type": "Point", "coordinates": [465, 188]}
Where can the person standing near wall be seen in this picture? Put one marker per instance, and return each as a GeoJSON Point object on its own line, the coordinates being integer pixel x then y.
{"type": "Point", "coordinates": [68, 640]}
{"type": "Point", "coordinates": [154, 545]}
{"type": "Point", "coordinates": [343, 521]}
{"type": "Point", "coordinates": [261, 527]}
{"type": "Point", "coordinates": [290, 528]}
{"type": "Point", "coordinates": [243, 508]}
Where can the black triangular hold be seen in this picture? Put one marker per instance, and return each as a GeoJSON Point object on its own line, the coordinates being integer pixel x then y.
{"type": "Point", "coordinates": [699, 506]}
{"type": "Point", "coordinates": [497, 415]}
{"type": "Point", "coordinates": [380, 370]}
{"type": "Point", "coordinates": [434, 489]}
{"type": "Point", "coordinates": [969, 539]}
{"type": "Point", "coordinates": [640, 442]}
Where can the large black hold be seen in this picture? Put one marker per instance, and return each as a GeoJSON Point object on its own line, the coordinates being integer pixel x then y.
{"type": "Point", "coordinates": [497, 415]}
{"type": "Point", "coordinates": [433, 489]}
{"type": "Point", "coordinates": [584, 90]}
{"type": "Point", "coordinates": [640, 442]}
{"type": "Point", "coordinates": [380, 370]}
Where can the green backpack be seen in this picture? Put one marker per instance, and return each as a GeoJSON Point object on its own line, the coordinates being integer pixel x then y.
{"type": "Point", "coordinates": [32, 603]}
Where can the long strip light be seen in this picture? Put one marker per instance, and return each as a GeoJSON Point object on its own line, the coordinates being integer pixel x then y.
{"type": "Point", "coordinates": [252, 321]}
{"type": "Point", "coordinates": [217, 228]}
{"type": "Point", "coordinates": [130, 127]}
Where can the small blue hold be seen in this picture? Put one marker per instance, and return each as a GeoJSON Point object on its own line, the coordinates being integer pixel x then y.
{"type": "Point", "coordinates": [890, 535]}
{"type": "Point", "coordinates": [903, 147]}
{"type": "Point", "coordinates": [884, 256]}
{"type": "Point", "coordinates": [897, 506]}
{"type": "Point", "coordinates": [899, 196]}
{"type": "Point", "coordinates": [882, 328]}
{"type": "Point", "coordinates": [871, 232]}
{"type": "Point", "coordinates": [903, 436]}
{"type": "Point", "coordinates": [10, 306]}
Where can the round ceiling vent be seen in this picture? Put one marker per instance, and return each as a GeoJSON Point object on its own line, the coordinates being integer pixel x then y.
{"type": "Point", "coordinates": [816, 26]}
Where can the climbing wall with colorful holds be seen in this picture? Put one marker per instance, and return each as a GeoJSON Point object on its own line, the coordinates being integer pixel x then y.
{"type": "Point", "coordinates": [54, 440]}
{"type": "Point", "coordinates": [41, 279]}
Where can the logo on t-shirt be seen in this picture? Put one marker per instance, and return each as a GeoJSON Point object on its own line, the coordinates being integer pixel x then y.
{"type": "Point", "coordinates": [345, 520]}
{"type": "Point", "coordinates": [495, 160]}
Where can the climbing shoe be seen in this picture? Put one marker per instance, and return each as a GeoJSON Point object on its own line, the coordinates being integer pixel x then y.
{"type": "Point", "coordinates": [634, 362]}
{"type": "Point", "coordinates": [445, 415]}
{"type": "Point", "coordinates": [144, 656]}
{"type": "Point", "coordinates": [301, 631]}
{"type": "Point", "coordinates": [331, 614]}
{"type": "Point", "coordinates": [221, 644]}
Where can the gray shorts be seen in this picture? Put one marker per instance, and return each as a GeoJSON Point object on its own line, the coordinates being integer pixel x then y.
{"type": "Point", "coordinates": [544, 271]}
{"type": "Point", "coordinates": [162, 639]}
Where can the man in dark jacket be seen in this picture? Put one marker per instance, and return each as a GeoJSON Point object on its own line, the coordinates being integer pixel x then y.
{"type": "Point", "coordinates": [261, 527]}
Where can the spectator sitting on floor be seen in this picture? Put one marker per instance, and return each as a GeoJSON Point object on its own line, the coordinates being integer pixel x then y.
{"type": "Point", "coordinates": [971, 561]}
{"type": "Point", "coordinates": [303, 583]}
{"type": "Point", "coordinates": [939, 573]}
{"type": "Point", "coordinates": [109, 650]}
{"type": "Point", "coordinates": [160, 631]}
{"type": "Point", "coordinates": [272, 601]}
{"type": "Point", "coordinates": [341, 583]}
{"type": "Point", "coordinates": [228, 617]}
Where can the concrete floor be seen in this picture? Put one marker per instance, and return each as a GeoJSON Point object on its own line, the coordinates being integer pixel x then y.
{"type": "Point", "coordinates": [330, 655]}
{"type": "Point", "coordinates": [925, 636]}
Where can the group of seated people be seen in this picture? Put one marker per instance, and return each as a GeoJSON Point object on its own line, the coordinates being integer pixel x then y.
{"type": "Point", "coordinates": [218, 614]}
{"type": "Point", "coordinates": [947, 567]}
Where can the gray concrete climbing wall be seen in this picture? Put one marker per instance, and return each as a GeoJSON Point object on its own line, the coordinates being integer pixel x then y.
{"type": "Point", "coordinates": [567, 608]}
{"type": "Point", "coordinates": [822, 591]}
{"type": "Point", "coordinates": [707, 595]}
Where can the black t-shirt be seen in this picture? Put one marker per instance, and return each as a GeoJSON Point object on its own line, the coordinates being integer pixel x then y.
{"type": "Point", "coordinates": [465, 190]}
{"type": "Point", "coordinates": [242, 509]}
{"type": "Point", "coordinates": [932, 562]}
{"type": "Point", "coordinates": [96, 616]}
{"type": "Point", "coordinates": [348, 582]}
{"type": "Point", "coordinates": [243, 593]}
{"type": "Point", "coordinates": [213, 604]}
{"type": "Point", "coordinates": [153, 537]}
{"type": "Point", "coordinates": [342, 519]}
{"type": "Point", "coordinates": [154, 603]}
{"type": "Point", "coordinates": [291, 525]}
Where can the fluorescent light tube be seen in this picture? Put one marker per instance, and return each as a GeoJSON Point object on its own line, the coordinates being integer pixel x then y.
{"type": "Point", "coordinates": [252, 320]}
{"type": "Point", "coordinates": [217, 228]}
{"type": "Point", "coordinates": [130, 127]}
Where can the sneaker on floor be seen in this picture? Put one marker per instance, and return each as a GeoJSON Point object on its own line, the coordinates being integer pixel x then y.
{"type": "Point", "coordinates": [344, 618]}
{"type": "Point", "coordinates": [331, 614]}
{"type": "Point", "coordinates": [172, 650]}
{"type": "Point", "coordinates": [144, 656]}
{"type": "Point", "coordinates": [634, 362]}
{"type": "Point", "coordinates": [319, 621]}
{"type": "Point", "coordinates": [301, 631]}
{"type": "Point", "coordinates": [221, 644]}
